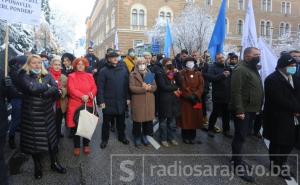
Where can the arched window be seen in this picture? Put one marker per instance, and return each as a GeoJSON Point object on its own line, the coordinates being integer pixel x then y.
{"type": "Point", "coordinates": [268, 28]}
{"type": "Point", "coordinates": [134, 18]}
{"type": "Point", "coordinates": [281, 29]}
{"type": "Point", "coordinates": [262, 28]}
{"type": "Point", "coordinates": [240, 27]}
{"type": "Point", "coordinates": [287, 28]}
{"type": "Point", "coordinates": [113, 18]}
{"type": "Point", "coordinates": [138, 17]}
{"type": "Point", "coordinates": [241, 4]}
{"type": "Point", "coordinates": [165, 13]}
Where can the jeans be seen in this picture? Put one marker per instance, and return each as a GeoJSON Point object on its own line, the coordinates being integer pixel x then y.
{"type": "Point", "coordinates": [240, 135]}
{"type": "Point", "coordinates": [107, 119]}
{"type": "Point", "coordinates": [16, 104]}
{"type": "Point", "coordinates": [220, 109]}
{"type": "Point", "coordinates": [165, 129]}
{"type": "Point", "coordinates": [3, 166]}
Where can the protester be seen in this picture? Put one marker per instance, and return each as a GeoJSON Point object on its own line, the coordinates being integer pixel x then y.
{"type": "Point", "coordinates": [168, 105]}
{"type": "Point", "coordinates": [246, 101]}
{"type": "Point", "coordinates": [15, 97]}
{"type": "Point", "coordinates": [45, 59]}
{"type": "Point", "coordinates": [67, 66]}
{"type": "Point", "coordinates": [5, 85]}
{"type": "Point", "coordinates": [148, 58]}
{"type": "Point", "coordinates": [233, 60]}
{"type": "Point", "coordinates": [281, 109]}
{"type": "Point", "coordinates": [191, 88]}
{"type": "Point", "coordinates": [113, 85]}
{"type": "Point", "coordinates": [92, 59]}
{"type": "Point", "coordinates": [142, 86]}
{"type": "Point", "coordinates": [220, 77]}
{"type": "Point", "coordinates": [38, 130]}
{"type": "Point", "coordinates": [81, 90]}
{"type": "Point", "coordinates": [101, 63]}
{"type": "Point", "coordinates": [178, 62]}
{"type": "Point", "coordinates": [130, 60]}
{"type": "Point", "coordinates": [61, 103]}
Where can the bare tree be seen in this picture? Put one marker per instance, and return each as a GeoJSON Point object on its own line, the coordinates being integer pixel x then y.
{"type": "Point", "coordinates": [287, 42]}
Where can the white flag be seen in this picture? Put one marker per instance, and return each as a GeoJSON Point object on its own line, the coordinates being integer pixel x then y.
{"type": "Point", "coordinates": [249, 38]}
{"type": "Point", "coordinates": [116, 44]}
{"type": "Point", "coordinates": [268, 59]}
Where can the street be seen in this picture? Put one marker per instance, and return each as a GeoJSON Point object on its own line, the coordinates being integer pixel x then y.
{"type": "Point", "coordinates": [96, 168]}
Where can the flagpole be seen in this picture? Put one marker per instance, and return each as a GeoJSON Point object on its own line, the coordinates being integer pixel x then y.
{"type": "Point", "coordinates": [6, 49]}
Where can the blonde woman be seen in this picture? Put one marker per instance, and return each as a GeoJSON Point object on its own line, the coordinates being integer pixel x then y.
{"type": "Point", "coordinates": [38, 130]}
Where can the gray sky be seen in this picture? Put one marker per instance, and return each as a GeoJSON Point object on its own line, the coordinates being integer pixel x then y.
{"type": "Point", "coordinates": [79, 9]}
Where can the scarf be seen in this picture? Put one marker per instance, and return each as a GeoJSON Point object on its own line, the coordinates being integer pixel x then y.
{"type": "Point", "coordinates": [56, 76]}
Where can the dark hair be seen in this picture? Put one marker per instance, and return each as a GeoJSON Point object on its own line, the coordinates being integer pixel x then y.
{"type": "Point", "coordinates": [165, 60]}
{"type": "Point", "coordinates": [249, 50]}
{"type": "Point", "coordinates": [294, 51]}
{"type": "Point", "coordinates": [109, 50]}
{"type": "Point", "coordinates": [90, 48]}
{"type": "Point", "coordinates": [184, 51]}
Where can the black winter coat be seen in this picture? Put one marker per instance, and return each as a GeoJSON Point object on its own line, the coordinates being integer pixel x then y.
{"type": "Point", "coordinates": [38, 129]}
{"type": "Point", "coordinates": [168, 103]}
{"type": "Point", "coordinates": [203, 68]}
{"type": "Point", "coordinates": [92, 62]}
{"type": "Point", "coordinates": [3, 106]}
{"type": "Point", "coordinates": [281, 101]}
{"type": "Point", "coordinates": [220, 83]}
{"type": "Point", "coordinates": [113, 88]}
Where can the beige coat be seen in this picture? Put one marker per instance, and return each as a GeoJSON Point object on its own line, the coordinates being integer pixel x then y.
{"type": "Point", "coordinates": [64, 98]}
{"type": "Point", "coordinates": [142, 101]}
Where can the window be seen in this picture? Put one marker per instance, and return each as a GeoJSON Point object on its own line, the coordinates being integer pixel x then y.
{"type": "Point", "coordinates": [266, 5]}
{"type": "Point", "coordinates": [138, 17]}
{"type": "Point", "coordinates": [227, 25]}
{"type": "Point", "coordinates": [190, 1]}
{"type": "Point", "coordinates": [240, 27]}
{"type": "Point", "coordinates": [208, 2]}
{"type": "Point", "coordinates": [281, 29]}
{"type": "Point", "coordinates": [268, 28]}
{"type": "Point", "coordinates": [241, 4]}
{"type": "Point", "coordinates": [134, 18]}
{"type": "Point", "coordinates": [299, 29]}
{"type": "Point", "coordinates": [262, 28]}
{"type": "Point", "coordinates": [107, 27]}
{"type": "Point", "coordinates": [287, 28]}
{"type": "Point", "coordinates": [113, 18]}
{"type": "Point", "coordinates": [286, 8]}
{"type": "Point", "coordinates": [165, 13]}
{"type": "Point", "coordinates": [142, 19]}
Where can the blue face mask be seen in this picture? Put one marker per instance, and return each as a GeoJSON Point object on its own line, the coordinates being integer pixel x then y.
{"type": "Point", "coordinates": [291, 70]}
{"type": "Point", "coordinates": [36, 71]}
{"type": "Point", "coordinates": [119, 58]}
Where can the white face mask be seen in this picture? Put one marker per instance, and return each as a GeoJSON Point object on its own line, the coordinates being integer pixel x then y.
{"type": "Point", "coordinates": [142, 67]}
{"type": "Point", "coordinates": [190, 65]}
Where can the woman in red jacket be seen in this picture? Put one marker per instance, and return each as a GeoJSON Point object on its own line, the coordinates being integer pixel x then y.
{"type": "Point", "coordinates": [81, 89]}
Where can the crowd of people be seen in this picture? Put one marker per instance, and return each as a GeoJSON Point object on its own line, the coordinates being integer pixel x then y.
{"type": "Point", "coordinates": [46, 92]}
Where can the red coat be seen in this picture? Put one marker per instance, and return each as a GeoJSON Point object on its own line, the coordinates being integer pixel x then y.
{"type": "Point", "coordinates": [79, 84]}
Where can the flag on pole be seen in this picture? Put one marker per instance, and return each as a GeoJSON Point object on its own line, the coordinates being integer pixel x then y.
{"type": "Point", "coordinates": [168, 41]}
{"type": "Point", "coordinates": [268, 59]}
{"type": "Point", "coordinates": [116, 42]}
{"type": "Point", "coordinates": [249, 38]}
{"type": "Point", "coordinates": [216, 44]}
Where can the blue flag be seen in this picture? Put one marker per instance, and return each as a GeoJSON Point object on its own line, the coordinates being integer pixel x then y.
{"type": "Point", "coordinates": [217, 40]}
{"type": "Point", "coordinates": [168, 41]}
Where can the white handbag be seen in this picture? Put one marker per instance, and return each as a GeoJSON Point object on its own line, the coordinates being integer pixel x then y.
{"type": "Point", "coordinates": [87, 123]}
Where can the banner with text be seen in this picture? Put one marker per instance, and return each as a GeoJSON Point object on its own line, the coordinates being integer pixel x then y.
{"type": "Point", "coordinates": [21, 11]}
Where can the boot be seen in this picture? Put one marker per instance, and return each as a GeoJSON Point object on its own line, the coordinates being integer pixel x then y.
{"type": "Point", "coordinates": [137, 141]}
{"type": "Point", "coordinates": [123, 140]}
{"type": "Point", "coordinates": [11, 141]}
{"type": "Point", "coordinates": [55, 165]}
{"type": "Point", "coordinates": [38, 174]}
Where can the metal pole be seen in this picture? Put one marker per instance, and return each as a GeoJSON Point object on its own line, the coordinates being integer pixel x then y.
{"type": "Point", "coordinates": [6, 50]}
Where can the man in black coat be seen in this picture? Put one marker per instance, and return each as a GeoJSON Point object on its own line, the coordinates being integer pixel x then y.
{"type": "Point", "coordinates": [101, 64]}
{"type": "Point", "coordinates": [281, 109]}
{"type": "Point", "coordinates": [4, 86]}
{"type": "Point", "coordinates": [219, 75]}
{"type": "Point", "coordinates": [90, 56]}
{"type": "Point", "coordinates": [113, 85]}
{"type": "Point", "coordinates": [178, 62]}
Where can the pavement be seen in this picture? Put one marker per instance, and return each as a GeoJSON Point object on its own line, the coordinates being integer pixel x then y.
{"type": "Point", "coordinates": [119, 164]}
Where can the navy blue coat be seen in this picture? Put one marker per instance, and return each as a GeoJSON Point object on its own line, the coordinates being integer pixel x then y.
{"type": "Point", "coordinates": [3, 106]}
{"type": "Point", "coordinates": [38, 129]}
{"type": "Point", "coordinates": [220, 83]}
{"type": "Point", "coordinates": [113, 88]}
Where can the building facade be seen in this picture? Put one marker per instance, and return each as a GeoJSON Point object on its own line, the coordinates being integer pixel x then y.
{"type": "Point", "coordinates": [132, 18]}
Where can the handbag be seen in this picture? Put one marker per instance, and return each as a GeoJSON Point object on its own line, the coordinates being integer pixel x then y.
{"type": "Point", "coordinates": [87, 123]}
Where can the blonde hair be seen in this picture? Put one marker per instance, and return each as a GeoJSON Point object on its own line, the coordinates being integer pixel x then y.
{"type": "Point", "coordinates": [147, 54]}
{"type": "Point", "coordinates": [27, 68]}
{"type": "Point", "coordinates": [54, 59]}
{"type": "Point", "coordinates": [140, 60]}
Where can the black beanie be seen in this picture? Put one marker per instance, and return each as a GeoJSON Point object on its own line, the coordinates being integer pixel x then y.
{"type": "Point", "coordinates": [285, 60]}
